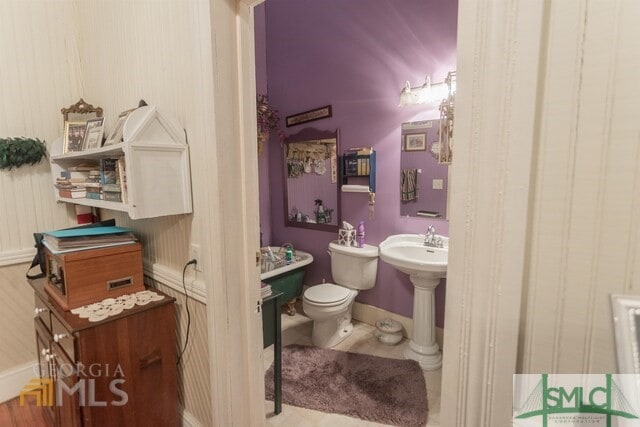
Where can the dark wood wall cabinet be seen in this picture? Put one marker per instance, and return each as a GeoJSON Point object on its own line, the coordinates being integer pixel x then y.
{"type": "Point", "coordinates": [115, 372]}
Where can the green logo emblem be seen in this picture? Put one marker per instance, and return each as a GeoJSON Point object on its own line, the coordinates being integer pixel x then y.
{"type": "Point", "coordinates": [607, 400]}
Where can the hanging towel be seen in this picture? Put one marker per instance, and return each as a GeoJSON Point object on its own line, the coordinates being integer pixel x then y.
{"type": "Point", "coordinates": [408, 184]}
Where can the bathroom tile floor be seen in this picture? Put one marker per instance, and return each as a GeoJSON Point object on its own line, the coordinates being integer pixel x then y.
{"type": "Point", "coordinates": [297, 330]}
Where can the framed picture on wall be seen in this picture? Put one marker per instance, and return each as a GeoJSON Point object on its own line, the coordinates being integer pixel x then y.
{"type": "Point", "coordinates": [415, 142]}
{"type": "Point", "coordinates": [309, 116]}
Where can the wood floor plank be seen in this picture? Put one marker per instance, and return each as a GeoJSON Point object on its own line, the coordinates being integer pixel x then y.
{"type": "Point", "coordinates": [29, 415]}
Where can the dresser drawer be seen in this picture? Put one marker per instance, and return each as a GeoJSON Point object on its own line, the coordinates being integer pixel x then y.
{"type": "Point", "coordinates": [42, 312]}
{"type": "Point", "coordinates": [65, 339]}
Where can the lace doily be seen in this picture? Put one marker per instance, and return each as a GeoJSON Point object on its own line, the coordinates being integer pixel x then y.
{"type": "Point", "coordinates": [112, 306]}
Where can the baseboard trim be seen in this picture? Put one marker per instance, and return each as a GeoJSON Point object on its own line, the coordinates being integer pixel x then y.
{"type": "Point", "coordinates": [188, 420]}
{"type": "Point", "coordinates": [173, 279]}
{"type": "Point", "coordinates": [16, 257]}
{"type": "Point", "coordinates": [370, 315]}
{"type": "Point", "coordinates": [14, 379]}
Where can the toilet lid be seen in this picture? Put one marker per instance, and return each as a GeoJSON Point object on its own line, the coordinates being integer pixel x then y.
{"type": "Point", "coordinates": [327, 293]}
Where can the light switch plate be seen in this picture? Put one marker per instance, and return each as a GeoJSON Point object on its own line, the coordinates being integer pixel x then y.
{"type": "Point", "coordinates": [437, 184]}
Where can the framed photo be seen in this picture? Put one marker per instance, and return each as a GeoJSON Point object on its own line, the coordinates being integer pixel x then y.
{"type": "Point", "coordinates": [309, 116]}
{"type": "Point", "coordinates": [93, 134]}
{"type": "Point", "coordinates": [115, 137]}
{"type": "Point", "coordinates": [74, 136]}
{"type": "Point", "coordinates": [415, 142]}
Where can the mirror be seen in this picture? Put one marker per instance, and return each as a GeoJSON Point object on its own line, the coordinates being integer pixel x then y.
{"type": "Point", "coordinates": [424, 180]}
{"type": "Point", "coordinates": [311, 180]}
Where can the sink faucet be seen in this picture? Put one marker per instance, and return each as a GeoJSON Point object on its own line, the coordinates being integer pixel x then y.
{"type": "Point", "coordinates": [431, 239]}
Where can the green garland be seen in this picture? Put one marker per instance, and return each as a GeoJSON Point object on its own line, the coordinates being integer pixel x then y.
{"type": "Point", "coordinates": [15, 152]}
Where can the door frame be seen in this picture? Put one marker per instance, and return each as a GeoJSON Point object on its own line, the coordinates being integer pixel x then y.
{"type": "Point", "coordinates": [500, 55]}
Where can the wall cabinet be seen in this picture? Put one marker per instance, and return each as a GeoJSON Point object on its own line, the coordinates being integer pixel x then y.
{"type": "Point", "coordinates": [359, 164]}
{"type": "Point", "coordinates": [137, 348]}
{"type": "Point", "coordinates": [156, 159]}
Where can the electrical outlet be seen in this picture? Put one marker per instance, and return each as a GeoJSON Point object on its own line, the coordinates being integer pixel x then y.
{"type": "Point", "coordinates": [195, 254]}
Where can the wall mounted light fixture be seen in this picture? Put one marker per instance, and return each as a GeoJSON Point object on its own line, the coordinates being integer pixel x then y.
{"type": "Point", "coordinates": [428, 93]}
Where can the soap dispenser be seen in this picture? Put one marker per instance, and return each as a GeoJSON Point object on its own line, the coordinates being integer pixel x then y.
{"type": "Point", "coordinates": [360, 235]}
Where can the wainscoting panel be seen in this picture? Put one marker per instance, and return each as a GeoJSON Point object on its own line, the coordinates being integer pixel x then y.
{"type": "Point", "coordinates": [16, 318]}
{"type": "Point", "coordinates": [584, 231]}
{"type": "Point", "coordinates": [193, 377]}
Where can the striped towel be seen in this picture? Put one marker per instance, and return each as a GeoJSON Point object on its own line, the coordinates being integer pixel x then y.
{"type": "Point", "coordinates": [408, 184]}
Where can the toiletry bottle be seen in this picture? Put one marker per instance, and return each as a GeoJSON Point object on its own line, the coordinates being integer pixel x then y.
{"type": "Point", "coordinates": [288, 255]}
{"type": "Point", "coordinates": [360, 235]}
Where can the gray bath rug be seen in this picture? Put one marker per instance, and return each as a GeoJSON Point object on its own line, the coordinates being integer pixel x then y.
{"type": "Point", "coordinates": [372, 388]}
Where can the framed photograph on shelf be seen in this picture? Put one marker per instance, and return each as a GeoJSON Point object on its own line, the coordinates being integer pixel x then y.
{"type": "Point", "coordinates": [115, 137]}
{"type": "Point", "coordinates": [93, 134]}
{"type": "Point", "coordinates": [415, 142]}
{"type": "Point", "coordinates": [309, 116]}
{"type": "Point", "coordinates": [74, 136]}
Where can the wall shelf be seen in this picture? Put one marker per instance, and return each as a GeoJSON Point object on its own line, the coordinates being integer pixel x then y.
{"type": "Point", "coordinates": [156, 158]}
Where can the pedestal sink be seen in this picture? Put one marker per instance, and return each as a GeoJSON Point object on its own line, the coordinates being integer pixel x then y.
{"type": "Point", "coordinates": [425, 266]}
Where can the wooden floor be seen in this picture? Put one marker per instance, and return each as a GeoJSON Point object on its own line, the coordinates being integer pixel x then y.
{"type": "Point", "coordinates": [14, 415]}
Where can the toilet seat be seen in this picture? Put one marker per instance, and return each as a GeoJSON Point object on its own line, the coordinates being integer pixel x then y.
{"type": "Point", "coordinates": [327, 294]}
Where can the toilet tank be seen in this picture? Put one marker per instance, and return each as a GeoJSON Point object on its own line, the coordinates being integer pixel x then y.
{"type": "Point", "coordinates": [352, 267]}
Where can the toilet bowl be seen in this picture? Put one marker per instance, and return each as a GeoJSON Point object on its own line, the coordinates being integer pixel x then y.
{"type": "Point", "coordinates": [329, 305]}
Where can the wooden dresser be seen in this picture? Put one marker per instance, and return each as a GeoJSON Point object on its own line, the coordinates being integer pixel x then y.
{"type": "Point", "coordinates": [129, 357]}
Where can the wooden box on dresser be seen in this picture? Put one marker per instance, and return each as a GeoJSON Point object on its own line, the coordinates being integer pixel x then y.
{"type": "Point", "coordinates": [137, 346]}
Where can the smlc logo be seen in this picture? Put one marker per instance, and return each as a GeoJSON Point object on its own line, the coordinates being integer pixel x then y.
{"type": "Point", "coordinates": [579, 400]}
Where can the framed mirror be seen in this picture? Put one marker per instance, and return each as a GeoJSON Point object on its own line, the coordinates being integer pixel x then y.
{"type": "Point", "coordinates": [311, 180]}
{"type": "Point", "coordinates": [424, 181]}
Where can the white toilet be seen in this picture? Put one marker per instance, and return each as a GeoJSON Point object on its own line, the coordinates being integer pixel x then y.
{"type": "Point", "coordinates": [329, 305]}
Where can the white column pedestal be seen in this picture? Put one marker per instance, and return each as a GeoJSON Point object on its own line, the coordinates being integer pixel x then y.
{"type": "Point", "coordinates": [423, 346]}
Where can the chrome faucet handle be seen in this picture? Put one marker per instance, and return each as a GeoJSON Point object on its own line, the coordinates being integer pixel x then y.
{"type": "Point", "coordinates": [431, 230]}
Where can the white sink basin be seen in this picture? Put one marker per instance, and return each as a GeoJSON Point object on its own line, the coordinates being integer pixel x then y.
{"type": "Point", "coordinates": [407, 253]}
{"type": "Point", "coordinates": [425, 266]}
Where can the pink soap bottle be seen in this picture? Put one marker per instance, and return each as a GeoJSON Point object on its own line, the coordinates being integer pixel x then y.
{"type": "Point", "coordinates": [360, 235]}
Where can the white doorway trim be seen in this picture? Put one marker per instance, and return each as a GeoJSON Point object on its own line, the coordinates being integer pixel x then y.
{"type": "Point", "coordinates": [500, 54]}
{"type": "Point", "coordinates": [231, 230]}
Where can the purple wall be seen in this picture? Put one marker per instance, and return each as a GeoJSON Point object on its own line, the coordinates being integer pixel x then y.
{"type": "Point", "coordinates": [356, 56]}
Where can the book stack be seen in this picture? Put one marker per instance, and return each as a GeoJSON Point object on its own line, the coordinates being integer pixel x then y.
{"type": "Point", "coordinates": [93, 185]}
{"type": "Point", "coordinates": [78, 239]}
{"type": "Point", "coordinates": [113, 179]}
{"type": "Point", "coordinates": [73, 182]}
{"type": "Point", "coordinates": [68, 189]}
{"type": "Point", "coordinates": [265, 290]}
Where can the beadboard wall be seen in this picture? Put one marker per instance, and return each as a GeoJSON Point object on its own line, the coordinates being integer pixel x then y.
{"type": "Point", "coordinates": [194, 391]}
{"type": "Point", "coordinates": [585, 212]}
{"type": "Point", "coordinates": [159, 51]}
{"type": "Point", "coordinates": [16, 315]}
{"type": "Point", "coordinates": [39, 75]}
